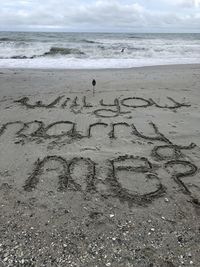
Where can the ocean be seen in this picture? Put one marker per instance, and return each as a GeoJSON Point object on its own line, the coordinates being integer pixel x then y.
{"type": "Point", "coordinates": [96, 50]}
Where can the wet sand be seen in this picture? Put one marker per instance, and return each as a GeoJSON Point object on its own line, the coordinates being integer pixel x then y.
{"type": "Point", "coordinates": [104, 179]}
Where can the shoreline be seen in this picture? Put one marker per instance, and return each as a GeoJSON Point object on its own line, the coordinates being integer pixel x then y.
{"type": "Point", "coordinates": [104, 69]}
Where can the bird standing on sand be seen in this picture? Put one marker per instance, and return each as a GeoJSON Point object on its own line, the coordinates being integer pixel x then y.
{"type": "Point", "coordinates": [93, 84]}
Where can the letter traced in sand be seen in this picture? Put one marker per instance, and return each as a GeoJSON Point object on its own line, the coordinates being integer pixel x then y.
{"type": "Point", "coordinates": [39, 104]}
{"type": "Point", "coordinates": [89, 177]}
{"type": "Point", "coordinates": [113, 125]}
{"type": "Point", "coordinates": [70, 132]}
{"type": "Point", "coordinates": [95, 124]}
{"type": "Point", "coordinates": [177, 176]}
{"type": "Point", "coordinates": [147, 103]}
{"type": "Point", "coordinates": [175, 106]}
{"type": "Point", "coordinates": [33, 179]}
{"type": "Point", "coordinates": [85, 103]}
{"type": "Point", "coordinates": [64, 104]}
{"type": "Point", "coordinates": [65, 180]}
{"type": "Point", "coordinates": [110, 113]}
{"type": "Point", "coordinates": [27, 127]}
{"type": "Point", "coordinates": [5, 126]}
{"type": "Point", "coordinates": [115, 104]}
{"type": "Point", "coordinates": [174, 151]}
{"type": "Point", "coordinates": [159, 136]}
{"type": "Point", "coordinates": [140, 166]}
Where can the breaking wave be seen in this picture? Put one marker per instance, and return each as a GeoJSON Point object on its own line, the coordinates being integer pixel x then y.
{"type": "Point", "coordinates": [6, 40]}
{"type": "Point", "coordinates": [89, 41]}
{"type": "Point", "coordinates": [63, 51]}
{"type": "Point", "coordinates": [52, 52]}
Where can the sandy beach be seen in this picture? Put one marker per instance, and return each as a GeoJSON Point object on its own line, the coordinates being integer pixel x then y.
{"type": "Point", "coordinates": [103, 178]}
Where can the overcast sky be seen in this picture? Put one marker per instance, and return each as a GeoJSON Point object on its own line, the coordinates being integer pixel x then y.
{"type": "Point", "coordinates": [101, 15]}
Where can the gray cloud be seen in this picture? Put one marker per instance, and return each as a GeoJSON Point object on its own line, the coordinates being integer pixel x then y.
{"type": "Point", "coordinates": [97, 15]}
